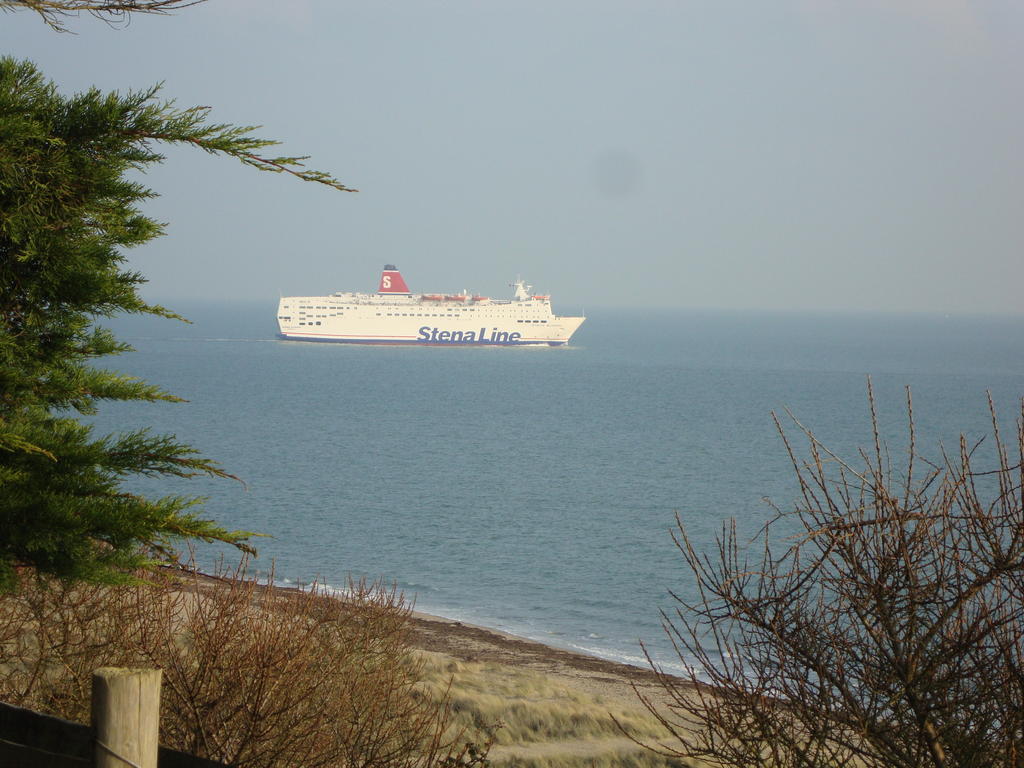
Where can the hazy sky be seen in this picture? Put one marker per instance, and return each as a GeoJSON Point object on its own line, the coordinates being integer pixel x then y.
{"type": "Point", "coordinates": [805, 154]}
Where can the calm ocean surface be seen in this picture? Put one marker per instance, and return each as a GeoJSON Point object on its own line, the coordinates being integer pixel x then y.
{"type": "Point", "coordinates": [533, 489]}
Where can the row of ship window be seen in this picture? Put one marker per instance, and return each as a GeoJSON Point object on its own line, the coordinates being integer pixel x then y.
{"type": "Point", "coordinates": [310, 322]}
{"type": "Point", "coordinates": [404, 314]}
{"type": "Point", "coordinates": [302, 310]}
{"type": "Point", "coordinates": [303, 307]}
{"type": "Point", "coordinates": [428, 314]}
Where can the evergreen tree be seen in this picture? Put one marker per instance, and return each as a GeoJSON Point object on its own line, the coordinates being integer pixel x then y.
{"type": "Point", "coordinates": [67, 212]}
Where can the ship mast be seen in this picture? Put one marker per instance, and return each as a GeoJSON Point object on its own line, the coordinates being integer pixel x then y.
{"type": "Point", "coordinates": [522, 291]}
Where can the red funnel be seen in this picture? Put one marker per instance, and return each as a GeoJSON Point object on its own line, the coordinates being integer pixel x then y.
{"type": "Point", "coordinates": [391, 281]}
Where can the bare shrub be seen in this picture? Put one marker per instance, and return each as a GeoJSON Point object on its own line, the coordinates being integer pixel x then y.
{"type": "Point", "coordinates": [53, 636]}
{"type": "Point", "coordinates": [253, 675]}
{"type": "Point", "coordinates": [888, 631]}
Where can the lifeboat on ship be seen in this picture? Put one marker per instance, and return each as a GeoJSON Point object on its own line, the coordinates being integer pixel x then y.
{"type": "Point", "coordinates": [481, 298]}
{"type": "Point", "coordinates": [456, 297]}
{"type": "Point", "coordinates": [433, 297]}
{"type": "Point", "coordinates": [542, 298]}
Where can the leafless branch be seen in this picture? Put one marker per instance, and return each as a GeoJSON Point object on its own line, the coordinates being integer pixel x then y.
{"type": "Point", "coordinates": [55, 12]}
{"type": "Point", "coordinates": [889, 631]}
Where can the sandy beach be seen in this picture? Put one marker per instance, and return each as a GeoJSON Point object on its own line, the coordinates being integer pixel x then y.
{"type": "Point", "coordinates": [555, 707]}
{"type": "Point", "coordinates": [524, 672]}
{"type": "Point", "coordinates": [471, 643]}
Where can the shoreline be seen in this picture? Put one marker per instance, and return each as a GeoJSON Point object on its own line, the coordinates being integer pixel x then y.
{"type": "Point", "coordinates": [476, 643]}
{"type": "Point", "coordinates": [553, 707]}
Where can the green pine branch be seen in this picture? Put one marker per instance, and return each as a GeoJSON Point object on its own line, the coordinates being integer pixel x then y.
{"type": "Point", "coordinates": [189, 126]}
{"type": "Point", "coordinates": [68, 212]}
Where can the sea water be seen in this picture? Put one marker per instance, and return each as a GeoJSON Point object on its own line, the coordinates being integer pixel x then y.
{"type": "Point", "coordinates": [534, 490]}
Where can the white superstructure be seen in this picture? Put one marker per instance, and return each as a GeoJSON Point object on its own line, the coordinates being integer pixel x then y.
{"type": "Point", "coordinates": [395, 315]}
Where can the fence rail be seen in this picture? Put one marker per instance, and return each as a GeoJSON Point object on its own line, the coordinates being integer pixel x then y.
{"type": "Point", "coordinates": [31, 739]}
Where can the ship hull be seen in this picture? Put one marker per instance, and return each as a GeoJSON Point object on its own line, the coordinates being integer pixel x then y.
{"type": "Point", "coordinates": [411, 342]}
{"type": "Point", "coordinates": [444, 334]}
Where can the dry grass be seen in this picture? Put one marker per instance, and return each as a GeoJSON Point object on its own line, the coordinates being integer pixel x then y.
{"type": "Point", "coordinates": [546, 721]}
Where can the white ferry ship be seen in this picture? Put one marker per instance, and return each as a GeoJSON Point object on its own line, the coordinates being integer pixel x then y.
{"type": "Point", "coordinates": [395, 315]}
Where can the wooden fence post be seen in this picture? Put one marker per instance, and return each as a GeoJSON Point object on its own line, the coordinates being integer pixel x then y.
{"type": "Point", "coordinates": [126, 717]}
